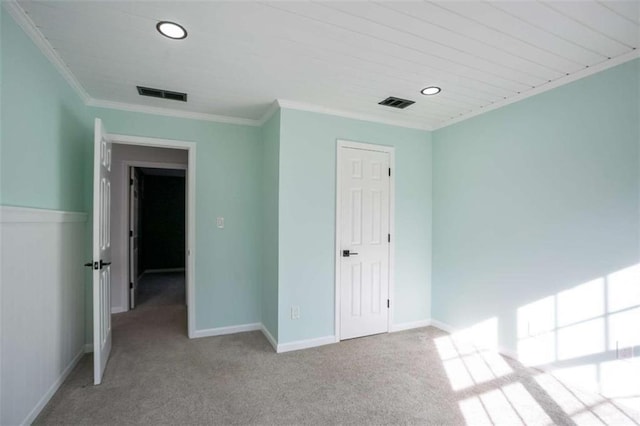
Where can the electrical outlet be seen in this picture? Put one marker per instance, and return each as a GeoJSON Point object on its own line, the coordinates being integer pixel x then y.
{"type": "Point", "coordinates": [295, 312]}
{"type": "Point", "coordinates": [624, 353]}
{"type": "Point", "coordinates": [220, 222]}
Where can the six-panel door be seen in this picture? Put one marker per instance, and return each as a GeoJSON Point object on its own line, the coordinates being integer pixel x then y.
{"type": "Point", "coordinates": [364, 229]}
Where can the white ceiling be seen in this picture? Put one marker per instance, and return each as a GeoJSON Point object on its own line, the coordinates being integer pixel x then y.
{"type": "Point", "coordinates": [342, 56]}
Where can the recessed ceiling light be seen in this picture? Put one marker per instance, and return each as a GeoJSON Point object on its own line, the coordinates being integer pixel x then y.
{"type": "Point", "coordinates": [171, 30]}
{"type": "Point", "coordinates": [431, 90]}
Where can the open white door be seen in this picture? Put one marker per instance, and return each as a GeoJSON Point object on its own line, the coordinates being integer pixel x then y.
{"type": "Point", "coordinates": [134, 221]}
{"type": "Point", "coordinates": [101, 251]}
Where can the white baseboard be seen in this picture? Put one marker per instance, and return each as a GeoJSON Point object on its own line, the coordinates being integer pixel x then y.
{"type": "Point", "coordinates": [118, 309]}
{"type": "Point", "coordinates": [279, 348]}
{"type": "Point", "coordinates": [410, 325]}
{"type": "Point", "coordinates": [452, 330]}
{"type": "Point", "coordinates": [52, 390]}
{"type": "Point", "coordinates": [220, 331]}
{"type": "Point", "coordinates": [304, 344]}
{"type": "Point", "coordinates": [443, 326]}
{"type": "Point", "coordinates": [269, 337]}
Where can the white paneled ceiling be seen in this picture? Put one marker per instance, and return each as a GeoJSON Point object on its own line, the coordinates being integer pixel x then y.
{"type": "Point", "coordinates": [342, 56]}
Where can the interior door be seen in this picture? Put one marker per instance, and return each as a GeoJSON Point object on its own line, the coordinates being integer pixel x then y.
{"type": "Point", "coordinates": [364, 242]}
{"type": "Point", "coordinates": [101, 251]}
{"type": "Point", "coordinates": [134, 229]}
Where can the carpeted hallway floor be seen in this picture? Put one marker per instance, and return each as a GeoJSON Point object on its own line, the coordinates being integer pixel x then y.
{"type": "Point", "coordinates": [156, 375]}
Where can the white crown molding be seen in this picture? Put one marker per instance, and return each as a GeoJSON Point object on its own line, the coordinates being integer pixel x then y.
{"type": "Point", "coordinates": [43, 44]}
{"type": "Point", "coordinates": [29, 27]}
{"type": "Point", "coordinates": [168, 112]}
{"type": "Point", "coordinates": [13, 214]}
{"type": "Point", "coordinates": [585, 72]}
{"type": "Point", "coordinates": [301, 106]}
{"type": "Point", "coordinates": [273, 108]}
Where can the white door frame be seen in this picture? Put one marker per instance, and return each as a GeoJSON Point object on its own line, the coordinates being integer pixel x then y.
{"type": "Point", "coordinates": [340, 143]}
{"type": "Point", "coordinates": [125, 211]}
{"type": "Point", "coordinates": [191, 211]}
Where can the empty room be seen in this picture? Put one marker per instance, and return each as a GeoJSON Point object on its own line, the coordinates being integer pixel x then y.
{"type": "Point", "coordinates": [320, 212]}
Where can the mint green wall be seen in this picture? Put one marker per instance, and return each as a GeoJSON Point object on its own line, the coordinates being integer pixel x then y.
{"type": "Point", "coordinates": [43, 134]}
{"type": "Point", "coordinates": [270, 173]}
{"type": "Point", "coordinates": [228, 178]}
{"type": "Point", "coordinates": [44, 131]}
{"type": "Point", "coordinates": [1, 50]}
{"type": "Point", "coordinates": [536, 197]}
{"type": "Point", "coordinates": [307, 219]}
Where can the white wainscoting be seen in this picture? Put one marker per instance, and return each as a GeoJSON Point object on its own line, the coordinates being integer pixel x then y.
{"type": "Point", "coordinates": [42, 306]}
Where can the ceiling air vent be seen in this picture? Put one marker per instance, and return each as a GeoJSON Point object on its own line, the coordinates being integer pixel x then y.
{"type": "Point", "coordinates": [396, 102]}
{"type": "Point", "coordinates": [163, 94]}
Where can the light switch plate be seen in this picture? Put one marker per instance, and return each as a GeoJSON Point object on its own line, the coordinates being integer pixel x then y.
{"type": "Point", "coordinates": [220, 222]}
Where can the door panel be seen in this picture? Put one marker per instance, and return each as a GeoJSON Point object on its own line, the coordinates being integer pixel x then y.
{"type": "Point", "coordinates": [364, 215]}
{"type": "Point", "coordinates": [101, 251]}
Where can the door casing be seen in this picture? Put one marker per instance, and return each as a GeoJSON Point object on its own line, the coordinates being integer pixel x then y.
{"type": "Point", "coordinates": [191, 210]}
{"type": "Point", "coordinates": [340, 144]}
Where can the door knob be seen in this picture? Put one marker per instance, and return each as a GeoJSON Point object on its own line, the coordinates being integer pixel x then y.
{"type": "Point", "coordinates": [347, 253]}
{"type": "Point", "coordinates": [96, 265]}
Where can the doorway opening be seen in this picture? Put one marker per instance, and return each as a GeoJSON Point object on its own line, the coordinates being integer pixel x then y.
{"type": "Point", "coordinates": [116, 157]}
{"type": "Point", "coordinates": [149, 224]}
{"type": "Point", "coordinates": [157, 235]}
{"type": "Point", "coordinates": [156, 232]}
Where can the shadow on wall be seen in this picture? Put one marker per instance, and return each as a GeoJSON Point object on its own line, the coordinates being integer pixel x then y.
{"type": "Point", "coordinates": [76, 137]}
{"type": "Point", "coordinates": [74, 188]}
{"type": "Point", "coordinates": [587, 336]}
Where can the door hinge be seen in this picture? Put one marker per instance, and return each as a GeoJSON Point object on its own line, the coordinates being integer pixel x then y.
{"type": "Point", "coordinates": [388, 238]}
{"type": "Point", "coordinates": [389, 171]}
{"type": "Point", "coordinates": [130, 285]}
{"type": "Point", "coordinates": [388, 304]}
{"type": "Point", "coordinates": [130, 233]}
{"type": "Point", "coordinates": [130, 181]}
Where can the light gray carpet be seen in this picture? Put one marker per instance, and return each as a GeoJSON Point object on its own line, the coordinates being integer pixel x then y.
{"type": "Point", "coordinates": [161, 289]}
{"type": "Point", "coordinates": [156, 375]}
